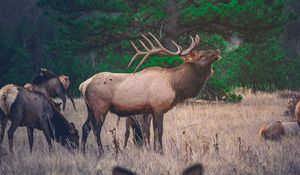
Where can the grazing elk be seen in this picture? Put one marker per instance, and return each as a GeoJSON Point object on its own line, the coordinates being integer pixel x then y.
{"type": "Point", "coordinates": [140, 125]}
{"type": "Point", "coordinates": [34, 110]}
{"type": "Point", "coordinates": [276, 129]}
{"type": "Point", "coordinates": [51, 85]}
{"type": "Point", "coordinates": [196, 169]}
{"type": "Point", "coordinates": [153, 90]}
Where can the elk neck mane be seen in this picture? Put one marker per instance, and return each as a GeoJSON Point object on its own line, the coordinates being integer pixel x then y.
{"type": "Point", "coordinates": [187, 80]}
{"type": "Point", "coordinates": [60, 123]}
{"type": "Point", "coordinates": [41, 77]}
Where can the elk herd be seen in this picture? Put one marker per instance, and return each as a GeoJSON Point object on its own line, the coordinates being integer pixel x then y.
{"type": "Point", "coordinates": [141, 96]}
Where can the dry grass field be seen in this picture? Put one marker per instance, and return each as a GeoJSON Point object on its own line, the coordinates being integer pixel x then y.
{"type": "Point", "coordinates": [189, 137]}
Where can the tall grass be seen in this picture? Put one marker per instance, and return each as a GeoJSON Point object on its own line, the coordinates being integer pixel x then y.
{"type": "Point", "coordinates": [223, 137]}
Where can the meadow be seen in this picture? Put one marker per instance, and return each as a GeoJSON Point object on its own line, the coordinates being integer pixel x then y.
{"type": "Point", "coordinates": [222, 136]}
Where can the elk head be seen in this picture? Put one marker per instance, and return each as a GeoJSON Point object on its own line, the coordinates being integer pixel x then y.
{"type": "Point", "coordinates": [201, 59]}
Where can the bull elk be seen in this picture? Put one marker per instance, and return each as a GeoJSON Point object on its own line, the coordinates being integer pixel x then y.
{"type": "Point", "coordinates": [153, 90]}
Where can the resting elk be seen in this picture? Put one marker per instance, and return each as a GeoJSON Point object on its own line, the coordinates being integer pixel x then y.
{"type": "Point", "coordinates": [276, 129]}
{"type": "Point", "coordinates": [153, 90]}
{"type": "Point", "coordinates": [51, 85]}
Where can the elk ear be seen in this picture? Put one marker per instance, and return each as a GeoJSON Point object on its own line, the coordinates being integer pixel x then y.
{"type": "Point", "coordinates": [187, 58]}
{"type": "Point", "coordinates": [190, 57]}
{"type": "Point", "coordinates": [121, 171]}
{"type": "Point", "coordinates": [196, 169]}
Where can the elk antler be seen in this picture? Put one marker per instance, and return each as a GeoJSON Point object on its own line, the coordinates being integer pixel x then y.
{"type": "Point", "coordinates": [160, 49]}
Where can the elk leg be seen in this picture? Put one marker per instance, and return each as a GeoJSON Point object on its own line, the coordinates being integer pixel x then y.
{"type": "Point", "coordinates": [46, 131]}
{"type": "Point", "coordinates": [146, 129]}
{"type": "Point", "coordinates": [30, 131]}
{"type": "Point", "coordinates": [137, 132]}
{"type": "Point", "coordinates": [16, 119]}
{"type": "Point", "coordinates": [3, 126]}
{"type": "Point", "coordinates": [62, 96]}
{"type": "Point", "coordinates": [71, 98]}
{"type": "Point", "coordinates": [86, 128]}
{"type": "Point", "coordinates": [158, 130]}
{"type": "Point", "coordinates": [10, 134]}
{"type": "Point", "coordinates": [155, 135]}
{"type": "Point", "coordinates": [127, 132]}
{"type": "Point", "coordinates": [97, 126]}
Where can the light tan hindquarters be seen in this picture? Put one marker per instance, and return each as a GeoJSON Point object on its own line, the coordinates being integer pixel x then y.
{"type": "Point", "coordinates": [83, 85]}
{"type": "Point", "coordinates": [291, 128]}
{"type": "Point", "coordinates": [65, 81]}
{"type": "Point", "coordinates": [8, 95]}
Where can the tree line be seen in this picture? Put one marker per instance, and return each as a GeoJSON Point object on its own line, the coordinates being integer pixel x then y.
{"type": "Point", "coordinates": [79, 38]}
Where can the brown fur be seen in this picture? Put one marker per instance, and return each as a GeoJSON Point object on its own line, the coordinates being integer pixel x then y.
{"type": "Point", "coordinates": [275, 130]}
{"type": "Point", "coordinates": [152, 90]}
{"type": "Point", "coordinates": [297, 112]}
{"type": "Point", "coordinates": [196, 169]}
{"type": "Point", "coordinates": [64, 81]}
{"type": "Point", "coordinates": [53, 87]}
{"type": "Point", "coordinates": [34, 110]}
{"type": "Point", "coordinates": [140, 125]}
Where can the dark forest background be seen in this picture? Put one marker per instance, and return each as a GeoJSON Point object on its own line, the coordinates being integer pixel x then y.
{"type": "Point", "coordinates": [259, 39]}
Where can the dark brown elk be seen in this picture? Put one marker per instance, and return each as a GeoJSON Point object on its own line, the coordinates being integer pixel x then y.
{"type": "Point", "coordinates": [153, 90]}
{"type": "Point", "coordinates": [51, 85]}
{"type": "Point", "coordinates": [140, 125]}
{"type": "Point", "coordinates": [34, 111]}
{"type": "Point", "coordinates": [276, 129]}
{"type": "Point", "coordinates": [196, 169]}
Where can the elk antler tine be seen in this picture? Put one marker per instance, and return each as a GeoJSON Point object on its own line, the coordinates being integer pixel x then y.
{"type": "Point", "coordinates": [143, 44]}
{"type": "Point", "coordinates": [179, 49]}
{"type": "Point", "coordinates": [134, 46]}
{"type": "Point", "coordinates": [193, 40]}
{"type": "Point", "coordinates": [194, 43]}
{"type": "Point", "coordinates": [197, 38]}
{"type": "Point", "coordinates": [164, 49]}
{"type": "Point", "coordinates": [156, 40]}
{"type": "Point", "coordinates": [134, 57]}
{"type": "Point", "coordinates": [156, 48]}
{"type": "Point", "coordinates": [148, 41]}
{"type": "Point", "coordinates": [143, 60]}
